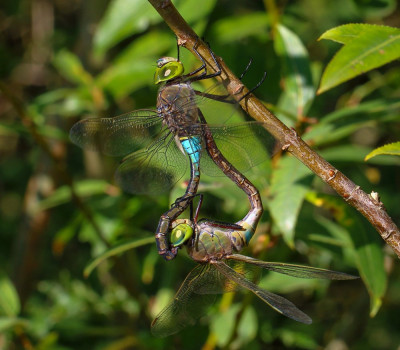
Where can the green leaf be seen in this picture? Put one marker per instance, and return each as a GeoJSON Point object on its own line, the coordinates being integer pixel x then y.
{"type": "Point", "coordinates": [232, 29]}
{"type": "Point", "coordinates": [128, 17]}
{"type": "Point", "coordinates": [150, 45]}
{"type": "Point", "coordinates": [391, 148]}
{"type": "Point", "coordinates": [117, 249]}
{"type": "Point", "coordinates": [279, 283]}
{"type": "Point", "coordinates": [299, 90]}
{"type": "Point", "coordinates": [369, 259]}
{"type": "Point", "coordinates": [289, 185]}
{"type": "Point", "coordinates": [70, 67]}
{"type": "Point", "coordinates": [84, 188]}
{"type": "Point", "coordinates": [222, 324]}
{"type": "Point", "coordinates": [192, 12]}
{"type": "Point", "coordinates": [10, 322]}
{"type": "Point", "coordinates": [248, 325]}
{"type": "Point", "coordinates": [121, 79]}
{"type": "Point", "coordinates": [346, 33]}
{"type": "Point", "coordinates": [296, 340]}
{"type": "Point", "coordinates": [122, 19]}
{"type": "Point", "coordinates": [355, 153]}
{"type": "Point", "coordinates": [373, 47]}
{"type": "Point", "coordinates": [9, 300]}
{"type": "Point", "coordinates": [362, 243]}
{"type": "Point", "coordinates": [345, 121]}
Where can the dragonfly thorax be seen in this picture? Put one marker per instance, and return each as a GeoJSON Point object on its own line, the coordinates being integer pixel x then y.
{"type": "Point", "coordinates": [210, 243]}
{"type": "Point", "coordinates": [176, 106]}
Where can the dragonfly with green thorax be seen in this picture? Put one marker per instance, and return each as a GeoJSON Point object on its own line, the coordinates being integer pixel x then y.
{"type": "Point", "coordinates": [158, 144]}
{"type": "Point", "coordinates": [215, 246]}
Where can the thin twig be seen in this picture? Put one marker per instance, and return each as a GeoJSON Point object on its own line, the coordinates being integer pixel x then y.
{"type": "Point", "coordinates": [372, 209]}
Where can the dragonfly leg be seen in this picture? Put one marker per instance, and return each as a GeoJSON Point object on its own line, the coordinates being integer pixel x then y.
{"type": "Point", "coordinates": [203, 66]}
{"type": "Point", "coordinates": [204, 74]}
{"type": "Point", "coordinates": [246, 69]}
{"type": "Point", "coordinates": [255, 87]}
{"type": "Point", "coordinates": [196, 215]}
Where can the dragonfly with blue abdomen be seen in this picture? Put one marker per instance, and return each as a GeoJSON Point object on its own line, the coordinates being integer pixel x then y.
{"type": "Point", "coordinates": [155, 142]}
{"type": "Point", "coordinates": [214, 245]}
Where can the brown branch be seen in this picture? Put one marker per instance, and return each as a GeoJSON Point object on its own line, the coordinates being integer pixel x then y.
{"type": "Point", "coordinates": [367, 205]}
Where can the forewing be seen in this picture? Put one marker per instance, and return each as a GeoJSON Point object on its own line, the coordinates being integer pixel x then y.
{"type": "Point", "coordinates": [244, 145]}
{"type": "Point", "coordinates": [294, 270]}
{"type": "Point", "coordinates": [278, 303]}
{"type": "Point", "coordinates": [117, 136]}
{"type": "Point", "coordinates": [213, 100]}
{"type": "Point", "coordinates": [187, 306]}
{"type": "Point", "coordinates": [153, 170]}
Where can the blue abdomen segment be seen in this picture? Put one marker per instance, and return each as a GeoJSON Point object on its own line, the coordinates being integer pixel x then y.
{"type": "Point", "coordinates": [192, 146]}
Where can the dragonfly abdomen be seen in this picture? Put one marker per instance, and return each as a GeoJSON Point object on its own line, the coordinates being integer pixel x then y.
{"type": "Point", "coordinates": [192, 146]}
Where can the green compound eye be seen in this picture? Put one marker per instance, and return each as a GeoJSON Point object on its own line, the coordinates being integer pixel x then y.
{"type": "Point", "coordinates": [180, 234]}
{"type": "Point", "coordinates": [167, 69]}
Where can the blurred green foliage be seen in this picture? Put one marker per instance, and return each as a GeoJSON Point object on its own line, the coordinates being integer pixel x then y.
{"type": "Point", "coordinates": [65, 60]}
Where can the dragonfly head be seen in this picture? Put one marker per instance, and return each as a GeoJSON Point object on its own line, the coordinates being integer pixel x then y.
{"type": "Point", "coordinates": [181, 232]}
{"type": "Point", "coordinates": [167, 68]}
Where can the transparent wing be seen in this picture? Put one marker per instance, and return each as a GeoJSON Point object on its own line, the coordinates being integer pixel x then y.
{"type": "Point", "coordinates": [244, 145]}
{"type": "Point", "coordinates": [278, 303]}
{"type": "Point", "coordinates": [219, 283]}
{"type": "Point", "coordinates": [153, 170]}
{"type": "Point", "coordinates": [117, 136]}
{"type": "Point", "coordinates": [187, 305]}
{"type": "Point", "coordinates": [215, 103]}
{"type": "Point", "coordinates": [294, 270]}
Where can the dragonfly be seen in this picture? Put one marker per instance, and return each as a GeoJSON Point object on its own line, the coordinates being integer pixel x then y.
{"type": "Point", "coordinates": [158, 144]}
{"type": "Point", "coordinates": [215, 247]}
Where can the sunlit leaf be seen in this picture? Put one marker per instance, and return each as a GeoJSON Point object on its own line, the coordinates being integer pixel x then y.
{"type": "Point", "coordinates": [389, 149]}
{"type": "Point", "coordinates": [290, 183]}
{"type": "Point", "coordinates": [299, 91]}
{"type": "Point", "coordinates": [123, 18]}
{"type": "Point", "coordinates": [118, 249]}
{"type": "Point", "coordinates": [128, 17]}
{"type": "Point", "coordinates": [346, 33]}
{"type": "Point", "coordinates": [121, 79]}
{"type": "Point", "coordinates": [152, 44]}
{"type": "Point", "coordinates": [372, 48]}
{"type": "Point", "coordinates": [9, 300]}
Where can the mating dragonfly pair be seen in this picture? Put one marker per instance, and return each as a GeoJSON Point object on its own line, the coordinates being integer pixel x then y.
{"type": "Point", "coordinates": [158, 145]}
